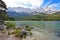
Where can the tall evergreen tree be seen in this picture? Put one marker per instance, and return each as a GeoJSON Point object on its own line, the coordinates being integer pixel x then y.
{"type": "Point", "coordinates": [3, 8]}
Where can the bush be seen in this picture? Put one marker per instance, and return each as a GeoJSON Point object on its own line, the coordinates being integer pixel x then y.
{"type": "Point", "coordinates": [8, 33]}
{"type": "Point", "coordinates": [10, 25]}
{"type": "Point", "coordinates": [25, 36]}
{"type": "Point", "coordinates": [28, 28]}
{"type": "Point", "coordinates": [12, 32]}
{"type": "Point", "coordinates": [17, 33]}
{"type": "Point", "coordinates": [2, 31]}
{"type": "Point", "coordinates": [31, 33]}
{"type": "Point", "coordinates": [35, 39]}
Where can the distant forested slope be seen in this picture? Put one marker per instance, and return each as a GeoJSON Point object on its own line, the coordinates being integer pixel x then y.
{"type": "Point", "coordinates": [43, 17]}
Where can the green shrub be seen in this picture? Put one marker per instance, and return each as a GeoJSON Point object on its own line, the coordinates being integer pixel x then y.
{"type": "Point", "coordinates": [17, 32]}
{"type": "Point", "coordinates": [8, 33]}
{"type": "Point", "coordinates": [2, 31]}
{"type": "Point", "coordinates": [16, 35]}
{"type": "Point", "coordinates": [35, 39]}
{"type": "Point", "coordinates": [31, 33]}
{"type": "Point", "coordinates": [25, 36]}
{"type": "Point", "coordinates": [12, 32]}
{"type": "Point", "coordinates": [10, 25]}
{"type": "Point", "coordinates": [28, 28]}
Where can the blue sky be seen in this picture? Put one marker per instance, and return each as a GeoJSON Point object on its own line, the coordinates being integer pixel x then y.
{"type": "Point", "coordinates": [52, 4]}
{"type": "Point", "coordinates": [33, 3]}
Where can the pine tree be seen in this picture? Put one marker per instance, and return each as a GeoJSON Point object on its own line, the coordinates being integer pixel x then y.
{"type": "Point", "coordinates": [3, 8]}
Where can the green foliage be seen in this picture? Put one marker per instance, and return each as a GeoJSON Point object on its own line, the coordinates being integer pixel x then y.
{"type": "Point", "coordinates": [3, 13]}
{"type": "Point", "coordinates": [25, 36]}
{"type": "Point", "coordinates": [17, 33]}
{"type": "Point", "coordinates": [12, 32]}
{"type": "Point", "coordinates": [2, 31]}
{"type": "Point", "coordinates": [35, 39]}
{"type": "Point", "coordinates": [27, 28]}
{"type": "Point", "coordinates": [43, 17]}
{"type": "Point", "coordinates": [10, 25]}
{"type": "Point", "coordinates": [8, 33]}
{"type": "Point", "coordinates": [31, 33]}
{"type": "Point", "coordinates": [11, 19]}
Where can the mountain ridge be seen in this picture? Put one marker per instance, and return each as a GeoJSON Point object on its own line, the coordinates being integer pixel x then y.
{"type": "Point", "coordinates": [20, 12]}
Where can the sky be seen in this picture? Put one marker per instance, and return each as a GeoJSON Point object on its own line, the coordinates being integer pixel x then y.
{"type": "Point", "coordinates": [33, 3]}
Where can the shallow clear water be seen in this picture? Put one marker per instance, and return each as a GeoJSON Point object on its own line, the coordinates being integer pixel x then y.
{"type": "Point", "coordinates": [49, 26]}
{"type": "Point", "coordinates": [40, 24]}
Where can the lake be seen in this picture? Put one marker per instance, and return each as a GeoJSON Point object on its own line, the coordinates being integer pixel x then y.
{"type": "Point", "coordinates": [40, 24]}
{"type": "Point", "coordinates": [48, 26]}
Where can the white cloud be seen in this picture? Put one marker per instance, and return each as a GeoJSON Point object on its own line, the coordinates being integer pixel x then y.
{"type": "Point", "coordinates": [47, 4]}
{"type": "Point", "coordinates": [54, 5]}
{"type": "Point", "coordinates": [17, 3]}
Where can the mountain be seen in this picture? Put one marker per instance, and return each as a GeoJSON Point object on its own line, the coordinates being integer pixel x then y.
{"type": "Point", "coordinates": [17, 14]}
{"type": "Point", "coordinates": [28, 10]}
{"type": "Point", "coordinates": [20, 13]}
{"type": "Point", "coordinates": [48, 10]}
{"type": "Point", "coordinates": [24, 12]}
{"type": "Point", "coordinates": [20, 9]}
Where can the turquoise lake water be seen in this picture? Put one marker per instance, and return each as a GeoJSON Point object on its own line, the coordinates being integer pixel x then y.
{"type": "Point", "coordinates": [53, 26]}
{"type": "Point", "coordinates": [40, 24]}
